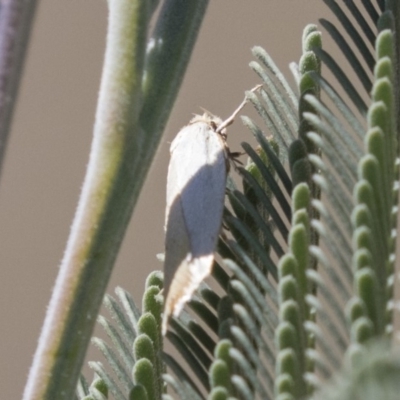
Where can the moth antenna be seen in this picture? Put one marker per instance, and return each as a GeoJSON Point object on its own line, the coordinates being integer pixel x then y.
{"type": "Point", "coordinates": [207, 112]}
{"type": "Point", "coordinates": [230, 120]}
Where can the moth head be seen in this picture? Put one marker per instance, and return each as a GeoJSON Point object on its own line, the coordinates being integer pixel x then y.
{"type": "Point", "coordinates": [207, 118]}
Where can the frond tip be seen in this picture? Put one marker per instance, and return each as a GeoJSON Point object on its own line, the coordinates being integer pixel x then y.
{"type": "Point", "coordinates": [135, 357]}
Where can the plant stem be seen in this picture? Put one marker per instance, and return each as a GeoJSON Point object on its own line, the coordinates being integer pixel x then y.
{"type": "Point", "coordinates": [16, 17]}
{"type": "Point", "coordinates": [103, 210]}
{"type": "Point", "coordinates": [121, 154]}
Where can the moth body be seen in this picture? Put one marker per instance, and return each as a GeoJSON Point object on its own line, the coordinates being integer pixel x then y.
{"type": "Point", "coordinates": [196, 183]}
{"type": "Point", "coordinates": [195, 201]}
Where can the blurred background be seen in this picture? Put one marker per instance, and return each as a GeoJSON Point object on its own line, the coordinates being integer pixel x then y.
{"type": "Point", "coordinates": [51, 134]}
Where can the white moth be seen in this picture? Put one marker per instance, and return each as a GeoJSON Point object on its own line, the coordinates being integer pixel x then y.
{"type": "Point", "coordinates": [196, 183]}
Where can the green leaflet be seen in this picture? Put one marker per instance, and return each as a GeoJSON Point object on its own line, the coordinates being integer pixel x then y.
{"type": "Point", "coordinates": [303, 281]}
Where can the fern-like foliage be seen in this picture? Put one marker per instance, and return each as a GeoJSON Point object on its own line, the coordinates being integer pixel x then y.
{"type": "Point", "coordinates": [303, 284]}
{"type": "Point", "coordinates": [135, 356]}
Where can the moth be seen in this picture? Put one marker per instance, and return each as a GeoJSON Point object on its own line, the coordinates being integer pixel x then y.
{"type": "Point", "coordinates": [197, 174]}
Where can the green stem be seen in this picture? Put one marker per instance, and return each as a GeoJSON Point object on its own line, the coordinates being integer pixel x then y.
{"type": "Point", "coordinates": [167, 57]}
{"type": "Point", "coordinates": [103, 211]}
{"type": "Point", "coordinates": [16, 18]}
{"type": "Point", "coordinates": [130, 117]}
{"type": "Point", "coordinates": [394, 7]}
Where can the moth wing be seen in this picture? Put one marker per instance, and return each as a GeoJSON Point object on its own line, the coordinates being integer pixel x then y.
{"type": "Point", "coordinates": [203, 182]}
{"type": "Point", "coordinates": [195, 201]}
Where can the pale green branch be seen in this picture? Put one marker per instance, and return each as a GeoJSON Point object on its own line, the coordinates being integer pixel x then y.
{"type": "Point", "coordinates": [120, 157]}
{"type": "Point", "coordinates": [16, 17]}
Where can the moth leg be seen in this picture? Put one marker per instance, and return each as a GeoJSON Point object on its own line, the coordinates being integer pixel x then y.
{"type": "Point", "coordinates": [234, 156]}
{"type": "Point", "coordinates": [226, 228]}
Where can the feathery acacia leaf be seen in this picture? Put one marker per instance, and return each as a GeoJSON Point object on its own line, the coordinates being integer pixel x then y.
{"type": "Point", "coordinates": [304, 277]}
